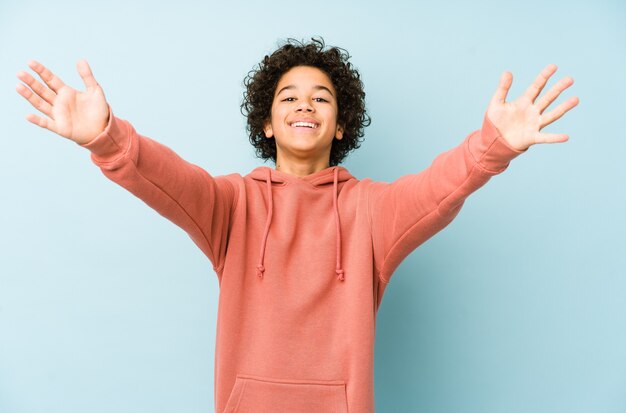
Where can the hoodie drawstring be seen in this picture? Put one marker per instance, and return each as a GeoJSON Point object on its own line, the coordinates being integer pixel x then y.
{"type": "Point", "coordinates": [268, 179]}
{"type": "Point", "coordinates": [260, 268]}
{"type": "Point", "coordinates": [338, 270]}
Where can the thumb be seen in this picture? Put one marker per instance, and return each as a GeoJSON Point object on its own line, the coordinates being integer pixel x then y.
{"type": "Point", "coordinates": [499, 97]}
{"type": "Point", "coordinates": [85, 73]}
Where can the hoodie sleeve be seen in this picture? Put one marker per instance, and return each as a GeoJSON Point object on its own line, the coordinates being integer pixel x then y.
{"type": "Point", "coordinates": [409, 211]}
{"type": "Point", "coordinates": [180, 191]}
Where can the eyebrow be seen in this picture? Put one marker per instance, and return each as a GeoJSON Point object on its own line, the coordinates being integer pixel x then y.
{"type": "Point", "coordinates": [316, 87]}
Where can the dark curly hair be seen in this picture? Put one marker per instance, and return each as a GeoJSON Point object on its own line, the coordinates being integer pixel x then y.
{"type": "Point", "coordinates": [261, 84]}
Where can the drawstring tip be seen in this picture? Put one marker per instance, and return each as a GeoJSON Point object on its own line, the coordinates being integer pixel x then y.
{"type": "Point", "coordinates": [339, 275]}
{"type": "Point", "coordinates": [259, 270]}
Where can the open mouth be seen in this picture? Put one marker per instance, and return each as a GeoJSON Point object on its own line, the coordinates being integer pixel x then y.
{"type": "Point", "coordinates": [309, 125]}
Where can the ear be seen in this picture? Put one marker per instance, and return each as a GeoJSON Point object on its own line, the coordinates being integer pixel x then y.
{"type": "Point", "coordinates": [339, 132]}
{"type": "Point", "coordinates": [267, 128]}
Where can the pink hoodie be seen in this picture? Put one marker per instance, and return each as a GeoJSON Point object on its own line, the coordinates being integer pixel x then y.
{"type": "Point", "coordinates": [302, 263]}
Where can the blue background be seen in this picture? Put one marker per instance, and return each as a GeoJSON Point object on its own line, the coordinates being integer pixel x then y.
{"type": "Point", "coordinates": [517, 306]}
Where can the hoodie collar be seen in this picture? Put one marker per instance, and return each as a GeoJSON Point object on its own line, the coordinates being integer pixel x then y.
{"type": "Point", "coordinates": [325, 176]}
{"type": "Point", "coordinates": [332, 174]}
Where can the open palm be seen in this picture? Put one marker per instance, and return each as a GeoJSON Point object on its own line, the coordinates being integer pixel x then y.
{"type": "Point", "coordinates": [79, 116]}
{"type": "Point", "coordinates": [521, 121]}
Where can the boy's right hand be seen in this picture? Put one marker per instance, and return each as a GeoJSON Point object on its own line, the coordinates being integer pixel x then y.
{"type": "Point", "coordinates": [79, 116]}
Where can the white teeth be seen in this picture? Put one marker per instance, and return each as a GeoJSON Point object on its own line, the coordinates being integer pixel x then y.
{"type": "Point", "coordinates": [307, 124]}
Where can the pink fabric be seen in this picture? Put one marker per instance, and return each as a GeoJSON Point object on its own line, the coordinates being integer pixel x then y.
{"type": "Point", "coordinates": [302, 263]}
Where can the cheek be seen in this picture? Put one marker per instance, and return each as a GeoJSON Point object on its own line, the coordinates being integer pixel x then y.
{"type": "Point", "coordinates": [276, 113]}
{"type": "Point", "coordinates": [333, 115]}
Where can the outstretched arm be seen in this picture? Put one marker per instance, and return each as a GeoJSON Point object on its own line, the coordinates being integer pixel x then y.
{"type": "Point", "coordinates": [180, 191]}
{"type": "Point", "coordinates": [413, 208]}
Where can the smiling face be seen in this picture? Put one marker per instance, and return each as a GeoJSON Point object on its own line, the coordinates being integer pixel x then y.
{"type": "Point", "coordinates": [303, 118]}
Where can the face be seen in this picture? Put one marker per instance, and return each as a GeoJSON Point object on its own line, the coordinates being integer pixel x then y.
{"type": "Point", "coordinates": [304, 114]}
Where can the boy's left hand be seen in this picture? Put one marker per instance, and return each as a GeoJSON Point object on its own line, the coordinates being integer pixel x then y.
{"type": "Point", "coordinates": [520, 121]}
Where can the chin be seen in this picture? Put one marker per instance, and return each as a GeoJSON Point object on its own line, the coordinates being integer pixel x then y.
{"type": "Point", "coordinates": [303, 145]}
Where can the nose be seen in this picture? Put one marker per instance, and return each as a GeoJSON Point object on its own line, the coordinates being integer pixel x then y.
{"type": "Point", "coordinates": [304, 106]}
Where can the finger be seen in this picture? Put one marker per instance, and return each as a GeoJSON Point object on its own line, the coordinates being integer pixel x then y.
{"type": "Point", "coordinates": [553, 93]}
{"type": "Point", "coordinates": [41, 122]}
{"type": "Point", "coordinates": [85, 73]}
{"type": "Point", "coordinates": [45, 93]}
{"type": "Point", "coordinates": [46, 75]}
{"type": "Point", "coordinates": [559, 111]}
{"type": "Point", "coordinates": [503, 88]}
{"type": "Point", "coordinates": [34, 99]}
{"type": "Point", "coordinates": [551, 138]}
{"type": "Point", "coordinates": [533, 90]}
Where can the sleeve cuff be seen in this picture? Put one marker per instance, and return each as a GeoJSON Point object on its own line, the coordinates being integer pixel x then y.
{"type": "Point", "coordinates": [490, 149]}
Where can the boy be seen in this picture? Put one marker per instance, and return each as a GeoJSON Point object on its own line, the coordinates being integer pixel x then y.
{"type": "Point", "coordinates": [303, 252]}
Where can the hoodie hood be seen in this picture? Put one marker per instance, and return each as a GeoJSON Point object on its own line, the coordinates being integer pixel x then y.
{"type": "Point", "coordinates": [331, 175]}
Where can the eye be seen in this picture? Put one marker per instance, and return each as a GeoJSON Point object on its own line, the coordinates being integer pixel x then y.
{"type": "Point", "coordinates": [320, 99]}
{"type": "Point", "coordinates": [288, 99]}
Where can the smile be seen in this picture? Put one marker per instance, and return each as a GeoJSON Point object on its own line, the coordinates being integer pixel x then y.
{"type": "Point", "coordinates": [304, 124]}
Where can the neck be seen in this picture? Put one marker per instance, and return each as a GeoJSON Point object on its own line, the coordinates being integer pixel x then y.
{"type": "Point", "coordinates": [301, 168]}
{"type": "Point", "coordinates": [300, 171]}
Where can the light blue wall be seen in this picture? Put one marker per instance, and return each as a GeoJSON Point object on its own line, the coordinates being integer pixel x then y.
{"type": "Point", "coordinates": [518, 306]}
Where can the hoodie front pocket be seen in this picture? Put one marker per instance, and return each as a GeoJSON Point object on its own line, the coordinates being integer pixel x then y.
{"type": "Point", "coordinates": [254, 394]}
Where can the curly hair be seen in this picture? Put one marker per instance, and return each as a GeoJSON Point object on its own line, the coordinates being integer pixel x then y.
{"type": "Point", "coordinates": [261, 84]}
